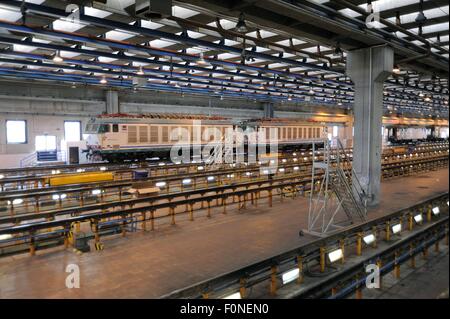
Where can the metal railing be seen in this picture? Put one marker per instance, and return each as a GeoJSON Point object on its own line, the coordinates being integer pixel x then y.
{"type": "Point", "coordinates": [29, 160]}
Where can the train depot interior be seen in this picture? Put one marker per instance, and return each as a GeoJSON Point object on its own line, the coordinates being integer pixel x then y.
{"type": "Point", "coordinates": [203, 149]}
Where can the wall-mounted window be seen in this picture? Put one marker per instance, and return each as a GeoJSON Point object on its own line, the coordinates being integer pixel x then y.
{"type": "Point", "coordinates": [72, 131]}
{"type": "Point", "coordinates": [16, 132]}
{"type": "Point", "coordinates": [335, 131]}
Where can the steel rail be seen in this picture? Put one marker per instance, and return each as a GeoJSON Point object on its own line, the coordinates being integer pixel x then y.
{"type": "Point", "coordinates": [37, 193]}
{"type": "Point", "coordinates": [231, 282]}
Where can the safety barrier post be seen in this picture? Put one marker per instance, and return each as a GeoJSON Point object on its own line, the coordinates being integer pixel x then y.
{"type": "Point", "coordinates": [273, 280]}
{"type": "Point", "coordinates": [436, 244]}
{"type": "Point", "coordinates": [224, 203]}
{"type": "Point", "coordinates": [358, 291]}
{"type": "Point", "coordinates": [209, 209]}
{"type": "Point", "coordinates": [322, 259]}
{"type": "Point", "coordinates": [446, 235]}
{"type": "Point", "coordinates": [379, 265]}
{"type": "Point", "coordinates": [32, 244]}
{"type": "Point", "coordinates": [152, 220]}
{"type": "Point", "coordinates": [396, 266]}
{"type": "Point", "coordinates": [342, 247]}
{"type": "Point", "coordinates": [172, 214]}
{"type": "Point", "coordinates": [359, 244]}
{"type": "Point", "coordinates": [144, 222]}
{"type": "Point", "coordinates": [270, 198]}
{"type": "Point", "coordinates": [388, 231]}
{"type": "Point", "coordinates": [425, 252]}
{"type": "Point", "coordinates": [410, 222]}
{"type": "Point", "coordinates": [300, 269]}
{"type": "Point", "coordinates": [242, 288]}
{"type": "Point", "coordinates": [191, 212]}
{"type": "Point", "coordinates": [429, 213]}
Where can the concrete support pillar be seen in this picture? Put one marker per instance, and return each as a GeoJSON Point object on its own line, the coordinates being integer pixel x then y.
{"type": "Point", "coordinates": [369, 68]}
{"type": "Point", "coordinates": [268, 110]}
{"type": "Point", "coordinates": [112, 102]}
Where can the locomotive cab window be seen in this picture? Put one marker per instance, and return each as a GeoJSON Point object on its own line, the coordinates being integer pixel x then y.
{"type": "Point", "coordinates": [104, 128]}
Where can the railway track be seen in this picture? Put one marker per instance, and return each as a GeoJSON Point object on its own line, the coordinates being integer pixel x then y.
{"type": "Point", "coordinates": [336, 266]}
{"type": "Point", "coordinates": [16, 203]}
{"type": "Point", "coordinates": [34, 231]}
{"type": "Point", "coordinates": [38, 177]}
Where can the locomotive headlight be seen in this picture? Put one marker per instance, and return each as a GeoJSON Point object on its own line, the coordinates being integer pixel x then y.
{"type": "Point", "coordinates": [230, 175]}
{"type": "Point", "coordinates": [56, 171]}
{"type": "Point", "coordinates": [103, 168]}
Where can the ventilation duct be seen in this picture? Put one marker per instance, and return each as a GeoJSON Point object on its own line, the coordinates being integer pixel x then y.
{"type": "Point", "coordinates": [154, 9]}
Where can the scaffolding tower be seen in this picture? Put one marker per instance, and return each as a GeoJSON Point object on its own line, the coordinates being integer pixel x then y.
{"type": "Point", "coordinates": [335, 187]}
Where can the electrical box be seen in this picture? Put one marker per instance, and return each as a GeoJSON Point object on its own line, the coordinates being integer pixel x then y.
{"type": "Point", "coordinates": [153, 9]}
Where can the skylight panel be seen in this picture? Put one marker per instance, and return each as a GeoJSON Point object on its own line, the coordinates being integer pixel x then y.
{"type": "Point", "coordinates": [9, 15]}
{"type": "Point", "coordinates": [150, 24]}
{"type": "Point", "coordinates": [225, 24]}
{"type": "Point", "coordinates": [183, 12]}
{"type": "Point", "coordinates": [161, 43]}
{"type": "Point", "coordinates": [96, 12]}
{"type": "Point", "coordinates": [66, 26]}
{"type": "Point", "coordinates": [118, 35]}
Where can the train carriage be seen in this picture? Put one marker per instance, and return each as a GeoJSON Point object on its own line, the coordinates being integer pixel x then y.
{"type": "Point", "coordinates": [137, 137]}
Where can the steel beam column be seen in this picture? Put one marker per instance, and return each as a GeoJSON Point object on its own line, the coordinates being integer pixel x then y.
{"type": "Point", "coordinates": [369, 68]}
{"type": "Point", "coordinates": [112, 102]}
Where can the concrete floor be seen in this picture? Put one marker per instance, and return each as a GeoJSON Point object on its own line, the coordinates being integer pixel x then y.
{"type": "Point", "coordinates": [150, 264]}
